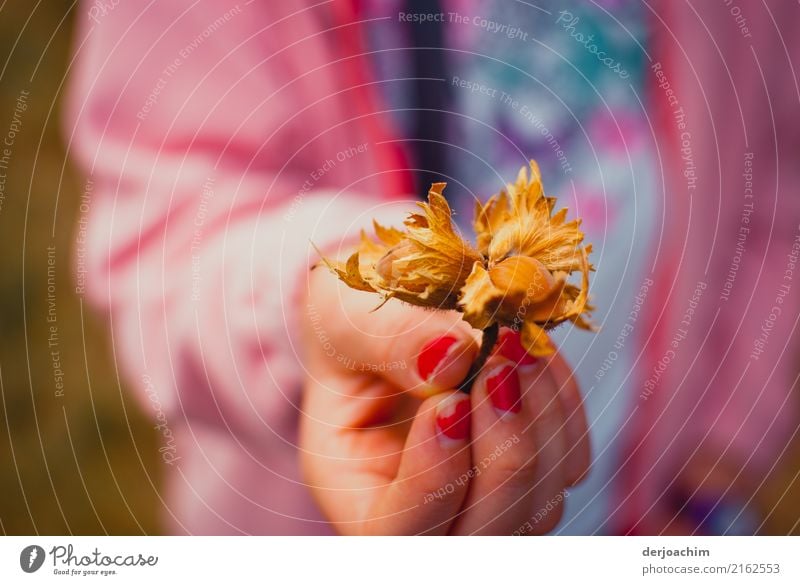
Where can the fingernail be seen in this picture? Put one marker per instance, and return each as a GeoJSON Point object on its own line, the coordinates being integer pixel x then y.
{"type": "Point", "coordinates": [433, 355]}
{"type": "Point", "coordinates": [510, 347]}
{"type": "Point", "coordinates": [502, 385]}
{"type": "Point", "coordinates": [452, 419]}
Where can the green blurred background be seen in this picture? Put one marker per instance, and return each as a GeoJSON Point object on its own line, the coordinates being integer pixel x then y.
{"type": "Point", "coordinates": [87, 462]}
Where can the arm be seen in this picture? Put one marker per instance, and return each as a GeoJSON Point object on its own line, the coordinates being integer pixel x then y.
{"type": "Point", "coordinates": [202, 128]}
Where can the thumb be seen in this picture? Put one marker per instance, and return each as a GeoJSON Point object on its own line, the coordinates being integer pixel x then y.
{"type": "Point", "coordinates": [420, 351]}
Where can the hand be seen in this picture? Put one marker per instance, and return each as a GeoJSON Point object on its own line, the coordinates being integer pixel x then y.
{"type": "Point", "coordinates": [389, 447]}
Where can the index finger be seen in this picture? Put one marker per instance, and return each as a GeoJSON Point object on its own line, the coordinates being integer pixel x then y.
{"type": "Point", "coordinates": [423, 352]}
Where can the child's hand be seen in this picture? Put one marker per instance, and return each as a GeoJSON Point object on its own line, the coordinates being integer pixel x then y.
{"type": "Point", "coordinates": [387, 445]}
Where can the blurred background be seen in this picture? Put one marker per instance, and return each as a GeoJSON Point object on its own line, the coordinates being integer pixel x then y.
{"type": "Point", "coordinates": [81, 458]}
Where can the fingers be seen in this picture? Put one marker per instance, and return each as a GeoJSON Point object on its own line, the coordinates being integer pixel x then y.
{"type": "Point", "coordinates": [576, 429]}
{"type": "Point", "coordinates": [420, 351]}
{"type": "Point", "coordinates": [416, 488]}
{"type": "Point", "coordinates": [517, 450]}
{"type": "Point", "coordinates": [432, 479]}
{"type": "Point", "coordinates": [575, 425]}
{"type": "Point", "coordinates": [547, 496]}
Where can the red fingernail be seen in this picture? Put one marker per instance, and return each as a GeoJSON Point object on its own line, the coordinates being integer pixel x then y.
{"type": "Point", "coordinates": [510, 347]}
{"type": "Point", "coordinates": [433, 354]}
{"type": "Point", "coordinates": [503, 389]}
{"type": "Point", "coordinates": [452, 418]}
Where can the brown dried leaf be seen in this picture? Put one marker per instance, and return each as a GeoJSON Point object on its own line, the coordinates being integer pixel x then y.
{"type": "Point", "coordinates": [535, 340]}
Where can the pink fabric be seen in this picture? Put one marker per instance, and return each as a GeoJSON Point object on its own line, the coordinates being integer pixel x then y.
{"type": "Point", "coordinates": [200, 125]}
{"type": "Point", "coordinates": [714, 395]}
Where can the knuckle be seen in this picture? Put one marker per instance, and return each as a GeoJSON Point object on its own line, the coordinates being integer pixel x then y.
{"type": "Point", "coordinates": [516, 468]}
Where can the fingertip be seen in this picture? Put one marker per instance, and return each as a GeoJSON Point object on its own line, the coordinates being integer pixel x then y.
{"type": "Point", "coordinates": [499, 386]}
{"type": "Point", "coordinates": [434, 354]}
{"type": "Point", "coordinates": [453, 413]}
{"type": "Point", "coordinates": [509, 345]}
{"type": "Point", "coordinates": [444, 362]}
{"type": "Point", "coordinates": [439, 418]}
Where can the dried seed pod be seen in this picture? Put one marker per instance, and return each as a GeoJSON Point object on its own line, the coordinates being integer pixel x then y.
{"type": "Point", "coordinates": [516, 275]}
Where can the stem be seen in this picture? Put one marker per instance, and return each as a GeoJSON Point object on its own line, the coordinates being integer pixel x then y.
{"type": "Point", "coordinates": [487, 345]}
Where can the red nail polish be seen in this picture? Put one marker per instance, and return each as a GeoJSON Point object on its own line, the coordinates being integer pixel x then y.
{"type": "Point", "coordinates": [503, 389]}
{"type": "Point", "coordinates": [452, 417]}
{"type": "Point", "coordinates": [510, 347]}
{"type": "Point", "coordinates": [433, 354]}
